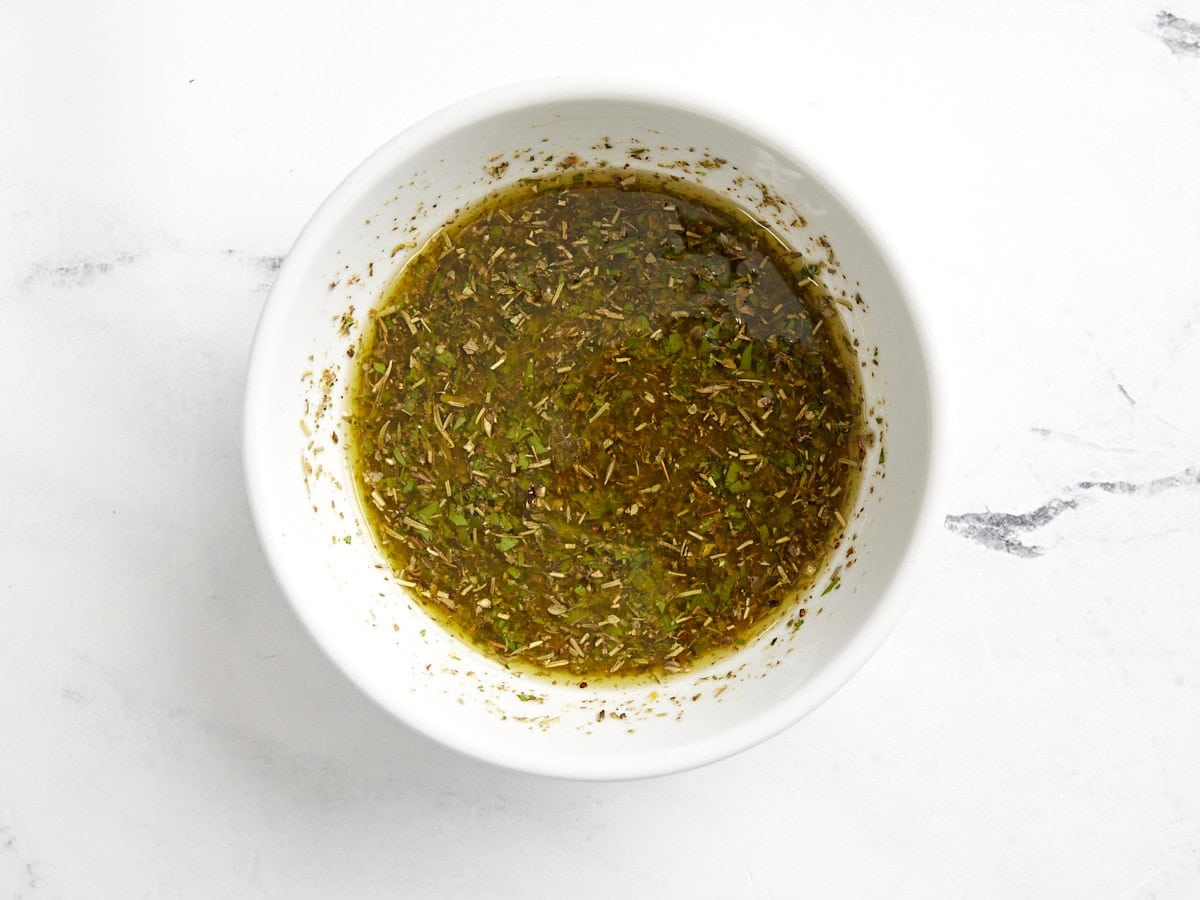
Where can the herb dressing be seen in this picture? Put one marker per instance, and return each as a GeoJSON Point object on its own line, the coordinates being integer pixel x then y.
{"type": "Point", "coordinates": [606, 424]}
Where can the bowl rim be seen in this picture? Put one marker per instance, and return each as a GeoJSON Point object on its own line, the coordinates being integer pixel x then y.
{"type": "Point", "coordinates": [770, 721]}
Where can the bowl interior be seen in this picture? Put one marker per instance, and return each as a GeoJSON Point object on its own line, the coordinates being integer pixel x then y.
{"type": "Point", "coordinates": [323, 555]}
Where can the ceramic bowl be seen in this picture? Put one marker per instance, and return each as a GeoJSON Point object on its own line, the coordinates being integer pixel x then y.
{"type": "Point", "coordinates": [308, 516]}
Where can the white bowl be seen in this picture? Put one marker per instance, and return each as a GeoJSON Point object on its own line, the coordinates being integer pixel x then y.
{"type": "Point", "coordinates": [308, 516]}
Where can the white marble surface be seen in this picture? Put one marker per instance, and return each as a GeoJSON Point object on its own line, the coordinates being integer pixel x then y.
{"type": "Point", "coordinates": [1032, 728]}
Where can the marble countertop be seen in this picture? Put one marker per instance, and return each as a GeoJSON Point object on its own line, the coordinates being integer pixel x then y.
{"type": "Point", "coordinates": [1031, 728]}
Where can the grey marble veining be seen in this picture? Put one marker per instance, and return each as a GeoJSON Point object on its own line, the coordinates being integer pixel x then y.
{"type": "Point", "coordinates": [1181, 35]}
{"type": "Point", "coordinates": [1007, 532]}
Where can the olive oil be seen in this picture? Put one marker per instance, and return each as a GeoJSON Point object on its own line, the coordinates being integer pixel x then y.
{"type": "Point", "coordinates": [606, 425]}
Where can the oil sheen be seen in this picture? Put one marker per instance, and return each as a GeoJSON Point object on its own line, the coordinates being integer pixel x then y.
{"type": "Point", "coordinates": [606, 425]}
